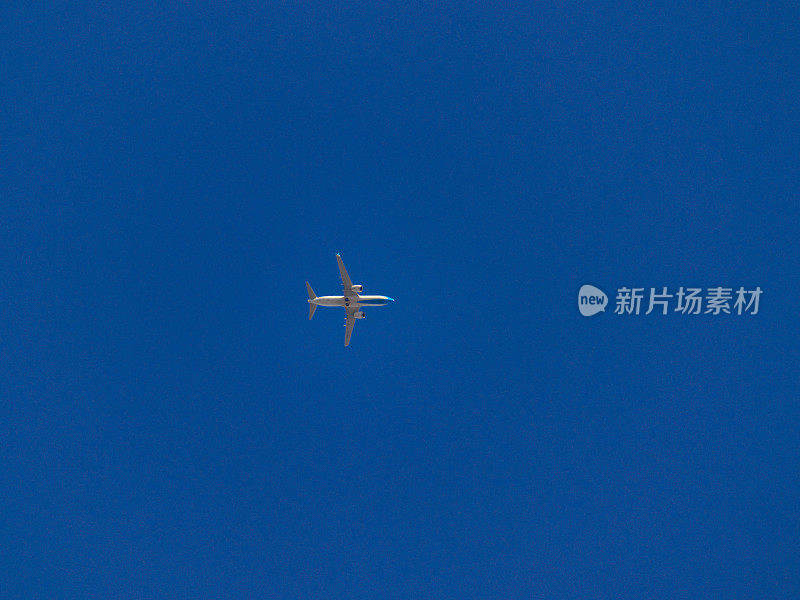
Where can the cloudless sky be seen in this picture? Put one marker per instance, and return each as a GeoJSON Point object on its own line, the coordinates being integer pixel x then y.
{"type": "Point", "coordinates": [172, 424]}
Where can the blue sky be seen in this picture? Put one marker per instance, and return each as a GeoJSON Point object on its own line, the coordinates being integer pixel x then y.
{"type": "Point", "coordinates": [173, 424]}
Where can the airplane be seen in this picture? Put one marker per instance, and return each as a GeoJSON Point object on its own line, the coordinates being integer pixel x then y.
{"type": "Point", "coordinates": [352, 301]}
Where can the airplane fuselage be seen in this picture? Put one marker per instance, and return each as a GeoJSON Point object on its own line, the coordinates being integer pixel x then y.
{"type": "Point", "coordinates": [355, 301]}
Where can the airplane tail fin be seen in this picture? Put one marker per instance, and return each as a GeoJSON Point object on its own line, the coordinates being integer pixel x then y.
{"type": "Point", "coordinates": [311, 296]}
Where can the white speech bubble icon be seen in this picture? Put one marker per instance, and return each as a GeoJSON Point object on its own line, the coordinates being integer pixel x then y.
{"type": "Point", "coordinates": [591, 300]}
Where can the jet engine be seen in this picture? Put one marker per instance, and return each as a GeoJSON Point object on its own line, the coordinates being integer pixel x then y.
{"type": "Point", "coordinates": [360, 315]}
{"type": "Point", "coordinates": [358, 288]}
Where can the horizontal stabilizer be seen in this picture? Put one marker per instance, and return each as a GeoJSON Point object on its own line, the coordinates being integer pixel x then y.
{"type": "Point", "coordinates": [311, 306]}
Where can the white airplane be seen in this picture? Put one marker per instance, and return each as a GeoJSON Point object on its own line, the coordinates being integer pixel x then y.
{"type": "Point", "coordinates": [352, 301]}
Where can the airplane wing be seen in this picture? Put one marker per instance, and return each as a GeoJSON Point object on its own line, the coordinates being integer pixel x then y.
{"type": "Point", "coordinates": [346, 283]}
{"type": "Point", "coordinates": [349, 321]}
